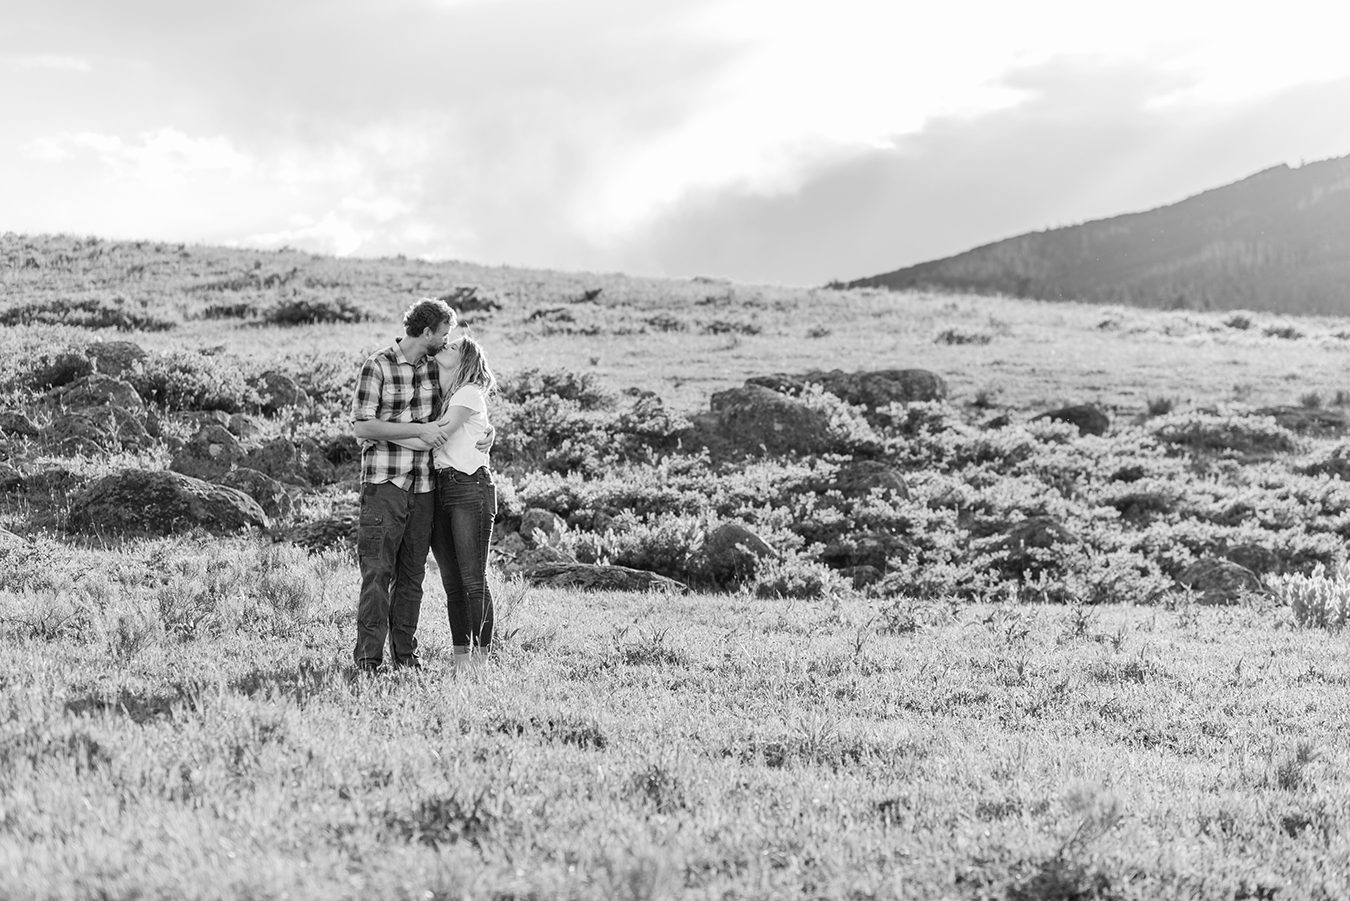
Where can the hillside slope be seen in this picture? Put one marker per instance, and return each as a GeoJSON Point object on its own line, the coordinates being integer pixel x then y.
{"type": "Point", "coordinates": [1278, 240]}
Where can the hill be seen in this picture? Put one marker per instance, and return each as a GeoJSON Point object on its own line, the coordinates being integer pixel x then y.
{"type": "Point", "coordinates": [1278, 241]}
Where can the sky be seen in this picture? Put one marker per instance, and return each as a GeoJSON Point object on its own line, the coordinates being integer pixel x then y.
{"type": "Point", "coordinates": [765, 141]}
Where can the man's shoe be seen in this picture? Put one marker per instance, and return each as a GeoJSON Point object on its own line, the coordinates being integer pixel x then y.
{"type": "Point", "coordinates": [368, 667]}
{"type": "Point", "coordinates": [408, 663]}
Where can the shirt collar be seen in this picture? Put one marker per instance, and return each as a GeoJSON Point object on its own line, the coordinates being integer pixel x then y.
{"type": "Point", "coordinates": [400, 357]}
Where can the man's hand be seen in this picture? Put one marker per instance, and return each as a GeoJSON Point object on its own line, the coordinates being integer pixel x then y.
{"type": "Point", "coordinates": [432, 434]}
{"type": "Point", "coordinates": [485, 443]}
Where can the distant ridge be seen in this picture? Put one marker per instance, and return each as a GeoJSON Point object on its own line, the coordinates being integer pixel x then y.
{"type": "Point", "coordinates": [1278, 240]}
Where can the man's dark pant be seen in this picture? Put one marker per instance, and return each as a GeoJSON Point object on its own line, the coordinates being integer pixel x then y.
{"type": "Point", "coordinates": [466, 504]}
{"type": "Point", "coordinates": [392, 540]}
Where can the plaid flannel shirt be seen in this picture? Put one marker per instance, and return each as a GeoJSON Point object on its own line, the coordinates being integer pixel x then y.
{"type": "Point", "coordinates": [392, 389]}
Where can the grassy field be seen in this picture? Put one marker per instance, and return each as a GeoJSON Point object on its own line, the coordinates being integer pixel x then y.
{"type": "Point", "coordinates": [179, 717]}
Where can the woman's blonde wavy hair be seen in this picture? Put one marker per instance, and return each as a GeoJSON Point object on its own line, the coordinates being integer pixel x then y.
{"type": "Point", "coordinates": [473, 368]}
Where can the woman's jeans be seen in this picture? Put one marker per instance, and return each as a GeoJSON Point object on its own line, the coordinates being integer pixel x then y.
{"type": "Point", "coordinates": [466, 504]}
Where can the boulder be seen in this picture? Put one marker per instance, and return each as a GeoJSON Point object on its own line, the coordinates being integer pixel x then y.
{"type": "Point", "coordinates": [513, 556]}
{"type": "Point", "coordinates": [10, 541]}
{"type": "Point", "coordinates": [1307, 420]}
{"type": "Point", "coordinates": [730, 554]}
{"type": "Point", "coordinates": [277, 390]}
{"type": "Point", "coordinates": [243, 426]}
{"type": "Point", "coordinates": [10, 478]}
{"type": "Point", "coordinates": [94, 430]}
{"type": "Point", "coordinates": [14, 422]}
{"type": "Point", "coordinates": [270, 494]}
{"type": "Point", "coordinates": [1219, 582]}
{"type": "Point", "coordinates": [98, 391]}
{"type": "Point", "coordinates": [600, 577]}
{"type": "Point", "coordinates": [301, 464]}
{"type": "Point", "coordinates": [115, 358]}
{"type": "Point", "coordinates": [210, 453]}
{"type": "Point", "coordinates": [541, 527]}
{"type": "Point", "coordinates": [755, 420]}
{"type": "Point", "coordinates": [1088, 418]}
{"type": "Point", "coordinates": [1258, 559]}
{"type": "Point", "coordinates": [878, 388]}
{"type": "Point", "coordinates": [334, 531]}
{"type": "Point", "coordinates": [858, 478]}
{"type": "Point", "coordinates": [161, 503]}
{"type": "Point", "coordinates": [196, 420]}
{"type": "Point", "coordinates": [342, 449]}
{"type": "Point", "coordinates": [63, 369]}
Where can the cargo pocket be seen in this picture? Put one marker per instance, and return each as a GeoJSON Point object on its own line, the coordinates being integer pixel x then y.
{"type": "Point", "coordinates": [370, 535]}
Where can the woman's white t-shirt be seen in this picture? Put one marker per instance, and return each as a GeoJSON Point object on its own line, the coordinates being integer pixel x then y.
{"type": "Point", "coordinates": [459, 451]}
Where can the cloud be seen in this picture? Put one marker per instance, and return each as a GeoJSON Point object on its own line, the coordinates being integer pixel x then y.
{"type": "Point", "coordinates": [1089, 142]}
{"type": "Point", "coordinates": [164, 153]}
{"type": "Point", "coordinates": [49, 61]}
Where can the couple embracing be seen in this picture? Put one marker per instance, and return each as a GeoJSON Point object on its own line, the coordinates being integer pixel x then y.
{"type": "Point", "coordinates": [420, 412]}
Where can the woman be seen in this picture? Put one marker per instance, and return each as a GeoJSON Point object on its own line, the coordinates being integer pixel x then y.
{"type": "Point", "coordinates": [466, 498]}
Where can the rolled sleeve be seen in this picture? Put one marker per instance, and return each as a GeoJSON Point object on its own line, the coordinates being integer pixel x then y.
{"type": "Point", "coordinates": [366, 400]}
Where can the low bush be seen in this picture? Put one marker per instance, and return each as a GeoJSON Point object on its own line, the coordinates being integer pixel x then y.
{"type": "Point", "coordinates": [188, 380]}
{"type": "Point", "coordinates": [303, 309]}
{"type": "Point", "coordinates": [88, 312]}
{"type": "Point", "coordinates": [1320, 599]}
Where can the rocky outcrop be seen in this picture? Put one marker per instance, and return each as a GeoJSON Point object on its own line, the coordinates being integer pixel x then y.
{"type": "Point", "coordinates": [302, 464]}
{"type": "Point", "coordinates": [277, 390]}
{"type": "Point", "coordinates": [600, 577]}
{"type": "Point", "coordinates": [730, 554]}
{"type": "Point", "coordinates": [1089, 419]}
{"type": "Point", "coordinates": [210, 453]}
{"type": "Point", "coordinates": [1219, 582]}
{"type": "Point", "coordinates": [270, 494]}
{"type": "Point", "coordinates": [161, 503]}
{"type": "Point", "coordinates": [755, 420]}
{"type": "Point", "coordinates": [873, 389]}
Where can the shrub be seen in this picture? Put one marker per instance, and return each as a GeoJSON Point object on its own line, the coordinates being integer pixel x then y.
{"type": "Point", "coordinates": [88, 312]}
{"type": "Point", "coordinates": [1318, 599]}
{"type": "Point", "coordinates": [1230, 431]}
{"type": "Point", "coordinates": [960, 336]}
{"type": "Point", "coordinates": [311, 310]}
{"type": "Point", "coordinates": [1287, 332]}
{"type": "Point", "coordinates": [187, 380]}
{"type": "Point", "coordinates": [584, 388]}
{"type": "Point", "coordinates": [796, 577]}
{"type": "Point", "coordinates": [1238, 321]}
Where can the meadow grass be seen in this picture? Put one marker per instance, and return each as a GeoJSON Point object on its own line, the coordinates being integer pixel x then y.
{"type": "Point", "coordinates": [638, 746]}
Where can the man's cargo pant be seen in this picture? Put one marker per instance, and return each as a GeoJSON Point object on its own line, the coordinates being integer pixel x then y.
{"type": "Point", "coordinates": [392, 541]}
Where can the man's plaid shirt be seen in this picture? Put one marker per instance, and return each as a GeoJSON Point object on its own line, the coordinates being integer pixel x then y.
{"type": "Point", "coordinates": [394, 390]}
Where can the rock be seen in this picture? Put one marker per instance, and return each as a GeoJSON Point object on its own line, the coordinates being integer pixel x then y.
{"type": "Point", "coordinates": [864, 549]}
{"type": "Point", "coordinates": [1258, 559]}
{"type": "Point", "coordinates": [1307, 420]}
{"type": "Point", "coordinates": [335, 531]}
{"type": "Point", "coordinates": [65, 368]}
{"type": "Point", "coordinates": [210, 453]}
{"type": "Point", "coordinates": [878, 388]}
{"type": "Point", "coordinates": [541, 527]}
{"type": "Point", "coordinates": [196, 420]}
{"type": "Point", "coordinates": [10, 479]}
{"type": "Point", "coordinates": [858, 478]}
{"type": "Point", "coordinates": [278, 390]}
{"type": "Point", "coordinates": [755, 420]}
{"type": "Point", "coordinates": [730, 554]}
{"type": "Point", "coordinates": [1089, 418]}
{"type": "Point", "coordinates": [599, 577]}
{"type": "Point", "coordinates": [1219, 582]}
{"type": "Point", "coordinates": [300, 464]}
{"type": "Point", "coordinates": [97, 430]}
{"type": "Point", "coordinates": [243, 426]}
{"type": "Point", "coordinates": [342, 449]}
{"type": "Point", "coordinates": [10, 541]}
{"type": "Point", "coordinates": [98, 391]}
{"type": "Point", "coordinates": [270, 494]}
{"type": "Point", "coordinates": [115, 358]}
{"type": "Point", "coordinates": [14, 422]}
{"type": "Point", "coordinates": [161, 503]}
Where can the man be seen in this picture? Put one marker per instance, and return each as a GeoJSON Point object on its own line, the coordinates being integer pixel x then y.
{"type": "Point", "coordinates": [397, 395]}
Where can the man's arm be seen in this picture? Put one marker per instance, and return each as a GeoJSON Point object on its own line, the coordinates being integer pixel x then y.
{"type": "Point", "coordinates": [379, 430]}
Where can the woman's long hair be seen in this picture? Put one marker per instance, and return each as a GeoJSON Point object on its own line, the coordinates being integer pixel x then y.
{"type": "Point", "coordinates": [473, 369]}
